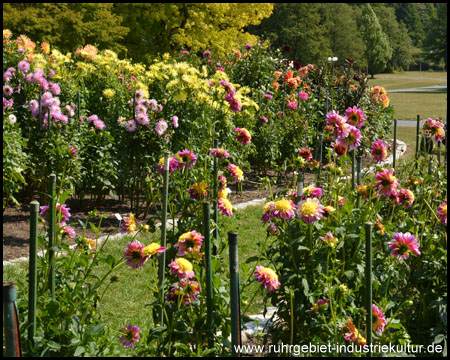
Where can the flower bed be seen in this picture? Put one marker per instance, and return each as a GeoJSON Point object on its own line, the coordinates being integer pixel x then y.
{"type": "Point", "coordinates": [250, 108]}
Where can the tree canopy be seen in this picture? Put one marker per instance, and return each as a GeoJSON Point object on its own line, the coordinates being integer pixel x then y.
{"type": "Point", "coordinates": [313, 31]}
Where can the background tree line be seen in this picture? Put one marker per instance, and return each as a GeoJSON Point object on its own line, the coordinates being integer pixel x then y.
{"type": "Point", "coordinates": [379, 36]}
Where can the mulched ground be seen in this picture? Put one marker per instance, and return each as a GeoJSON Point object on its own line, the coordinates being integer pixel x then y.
{"type": "Point", "coordinates": [16, 225]}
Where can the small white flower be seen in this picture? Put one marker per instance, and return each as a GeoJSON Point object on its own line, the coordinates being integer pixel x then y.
{"type": "Point", "coordinates": [12, 119]}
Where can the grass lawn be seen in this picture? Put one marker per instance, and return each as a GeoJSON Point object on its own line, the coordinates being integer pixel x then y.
{"type": "Point", "coordinates": [408, 105]}
{"type": "Point", "coordinates": [426, 104]}
{"type": "Point", "coordinates": [409, 79]}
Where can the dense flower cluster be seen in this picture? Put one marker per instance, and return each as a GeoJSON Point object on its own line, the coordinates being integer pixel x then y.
{"type": "Point", "coordinates": [434, 128]}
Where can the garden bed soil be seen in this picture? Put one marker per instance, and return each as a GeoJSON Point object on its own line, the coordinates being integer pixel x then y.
{"type": "Point", "coordinates": [16, 224]}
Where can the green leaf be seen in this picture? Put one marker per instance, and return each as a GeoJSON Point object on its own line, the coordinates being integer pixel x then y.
{"type": "Point", "coordinates": [95, 329]}
{"type": "Point", "coordinates": [94, 228]}
{"type": "Point", "coordinates": [110, 260]}
{"type": "Point", "coordinates": [305, 286]}
{"type": "Point", "coordinates": [79, 350]}
{"type": "Point", "coordinates": [53, 345]}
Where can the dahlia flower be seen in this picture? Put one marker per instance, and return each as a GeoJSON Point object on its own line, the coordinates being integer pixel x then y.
{"type": "Point", "coordinates": [182, 268]}
{"type": "Point", "coordinates": [130, 336]}
{"type": "Point", "coordinates": [442, 212]}
{"type": "Point", "coordinates": [236, 172]}
{"type": "Point", "coordinates": [387, 184]}
{"type": "Point", "coordinates": [403, 244]}
{"type": "Point", "coordinates": [355, 116]}
{"type": "Point", "coordinates": [378, 319]}
{"type": "Point", "coordinates": [189, 243]}
{"type": "Point", "coordinates": [134, 253]}
{"type": "Point", "coordinates": [310, 210]}
{"type": "Point", "coordinates": [379, 151]}
{"type": "Point", "coordinates": [267, 277]}
{"type": "Point", "coordinates": [225, 206]}
{"type": "Point", "coordinates": [243, 136]}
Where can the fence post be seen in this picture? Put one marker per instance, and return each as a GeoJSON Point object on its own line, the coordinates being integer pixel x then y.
{"type": "Point", "coordinates": [209, 287]}
{"type": "Point", "coordinates": [417, 141]}
{"type": "Point", "coordinates": [369, 284]}
{"type": "Point", "coordinates": [10, 318]}
{"type": "Point", "coordinates": [395, 144]}
{"type": "Point", "coordinates": [162, 257]}
{"type": "Point", "coordinates": [32, 289]}
{"type": "Point", "coordinates": [234, 294]}
{"type": "Point", "coordinates": [216, 208]}
{"type": "Point", "coordinates": [51, 231]}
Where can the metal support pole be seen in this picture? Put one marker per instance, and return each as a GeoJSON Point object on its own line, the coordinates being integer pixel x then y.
{"type": "Point", "coordinates": [216, 205]}
{"type": "Point", "coordinates": [300, 183]}
{"type": "Point", "coordinates": [162, 257]}
{"type": "Point", "coordinates": [234, 294]}
{"type": "Point", "coordinates": [209, 287]}
{"type": "Point", "coordinates": [369, 284]}
{"type": "Point", "coordinates": [10, 318]}
{"type": "Point", "coordinates": [51, 231]}
{"type": "Point", "coordinates": [32, 289]}
{"type": "Point", "coordinates": [417, 141]}
{"type": "Point", "coordinates": [395, 144]}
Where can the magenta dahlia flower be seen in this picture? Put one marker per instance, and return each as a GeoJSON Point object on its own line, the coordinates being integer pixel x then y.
{"type": "Point", "coordinates": [186, 159]}
{"type": "Point", "coordinates": [189, 243]}
{"type": "Point", "coordinates": [387, 184]}
{"type": "Point", "coordinates": [134, 253]}
{"type": "Point", "coordinates": [403, 244]}
{"type": "Point", "coordinates": [355, 116]}
{"type": "Point", "coordinates": [243, 136]}
{"type": "Point", "coordinates": [130, 336]}
{"type": "Point", "coordinates": [379, 151]}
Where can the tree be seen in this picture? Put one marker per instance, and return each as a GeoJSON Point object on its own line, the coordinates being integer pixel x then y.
{"type": "Point", "coordinates": [299, 26]}
{"type": "Point", "coordinates": [156, 28]}
{"type": "Point", "coordinates": [398, 37]}
{"type": "Point", "coordinates": [66, 25]}
{"type": "Point", "coordinates": [435, 44]}
{"type": "Point", "coordinates": [378, 51]}
{"type": "Point", "coordinates": [409, 15]}
{"type": "Point", "coordinates": [342, 31]}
